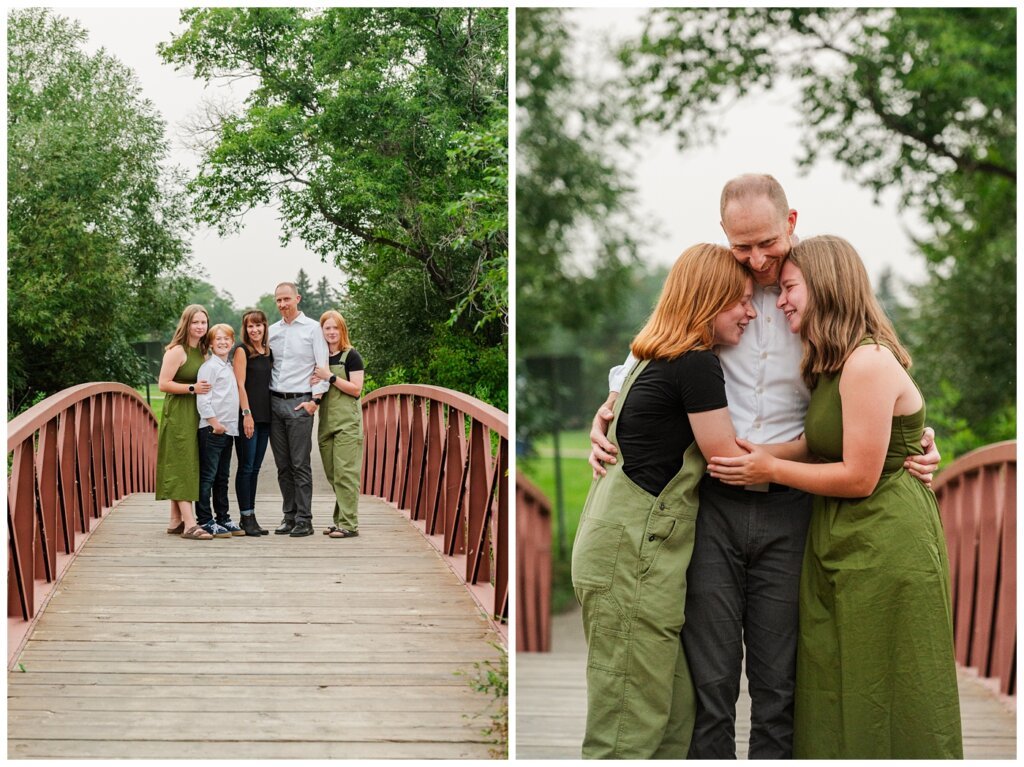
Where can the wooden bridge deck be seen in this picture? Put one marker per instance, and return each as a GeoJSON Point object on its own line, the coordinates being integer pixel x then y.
{"type": "Point", "coordinates": [276, 647]}
{"type": "Point", "coordinates": [551, 704]}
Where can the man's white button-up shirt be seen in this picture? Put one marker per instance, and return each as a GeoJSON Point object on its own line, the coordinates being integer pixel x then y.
{"type": "Point", "coordinates": [767, 396]}
{"type": "Point", "coordinates": [298, 347]}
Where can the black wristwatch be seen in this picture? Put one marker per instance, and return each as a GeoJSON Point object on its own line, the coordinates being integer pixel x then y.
{"type": "Point", "coordinates": [316, 401]}
{"type": "Point", "coordinates": [191, 389]}
{"type": "Point", "coordinates": [332, 379]}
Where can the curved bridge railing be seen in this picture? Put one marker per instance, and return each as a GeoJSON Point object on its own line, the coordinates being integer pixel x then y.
{"type": "Point", "coordinates": [71, 458]}
{"type": "Point", "coordinates": [977, 497]}
{"type": "Point", "coordinates": [442, 457]}
{"type": "Point", "coordinates": [533, 567]}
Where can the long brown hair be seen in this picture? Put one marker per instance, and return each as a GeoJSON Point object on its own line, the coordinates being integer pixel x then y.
{"type": "Point", "coordinates": [705, 280]}
{"type": "Point", "coordinates": [841, 308]}
{"type": "Point", "coordinates": [180, 337]}
{"type": "Point", "coordinates": [343, 339]}
{"type": "Point", "coordinates": [257, 318]}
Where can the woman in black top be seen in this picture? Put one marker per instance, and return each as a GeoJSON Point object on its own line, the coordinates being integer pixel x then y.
{"type": "Point", "coordinates": [635, 536]}
{"type": "Point", "coordinates": [252, 361]}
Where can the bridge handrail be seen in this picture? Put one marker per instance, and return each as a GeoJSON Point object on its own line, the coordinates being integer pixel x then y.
{"type": "Point", "coordinates": [533, 567]}
{"type": "Point", "coordinates": [977, 497]}
{"type": "Point", "coordinates": [72, 456]}
{"type": "Point", "coordinates": [417, 458]}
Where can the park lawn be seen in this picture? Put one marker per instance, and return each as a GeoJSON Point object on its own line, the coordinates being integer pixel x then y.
{"type": "Point", "coordinates": [156, 400]}
{"type": "Point", "coordinates": [576, 476]}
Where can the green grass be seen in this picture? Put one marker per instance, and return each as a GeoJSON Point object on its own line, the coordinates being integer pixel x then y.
{"type": "Point", "coordinates": [156, 399]}
{"type": "Point", "coordinates": [576, 476]}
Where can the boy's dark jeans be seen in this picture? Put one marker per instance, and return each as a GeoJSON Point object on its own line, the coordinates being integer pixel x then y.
{"type": "Point", "coordinates": [214, 473]}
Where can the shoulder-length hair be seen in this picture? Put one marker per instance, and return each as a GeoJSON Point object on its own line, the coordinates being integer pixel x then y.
{"type": "Point", "coordinates": [841, 308]}
{"type": "Point", "coordinates": [256, 317]}
{"type": "Point", "coordinates": [705, 280]}
{"type": "Point", "coordinates": [180, 337]}
{"type": "Point", "coordinates": [333, 314]}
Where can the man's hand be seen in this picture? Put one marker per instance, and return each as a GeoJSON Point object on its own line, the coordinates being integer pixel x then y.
{"type": "Point", "coordinates": [309, 406]}
{"type": "Point", "coordinates": [923, 467]}
{"type": "Point", "coordinates": [601, 450]}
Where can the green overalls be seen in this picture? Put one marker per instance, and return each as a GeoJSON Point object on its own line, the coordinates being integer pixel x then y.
{"type": "Point", "coordinates": [340, 436]}
{"type": "Point", "coordinates": [629, 572]}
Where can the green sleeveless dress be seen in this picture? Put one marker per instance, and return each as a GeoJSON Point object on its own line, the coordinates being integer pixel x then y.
{"type": "Point", "coordinates": [177, 456]}
{"type": "Point", "coordinates": [875, 668]}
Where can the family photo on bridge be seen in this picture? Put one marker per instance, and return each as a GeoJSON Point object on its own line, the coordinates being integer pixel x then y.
{"type": "Point", "coordinates": [739, 483]}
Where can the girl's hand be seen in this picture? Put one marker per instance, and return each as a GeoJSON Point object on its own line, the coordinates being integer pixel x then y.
{"type": "Point", "coordinates": [322, 373]}
{"type": "Point", "coordinates": [754, 468]}
{"type": "Point", "coordinates": [203, 387]}
{"type": "Point", "coordinates": [249, 425]}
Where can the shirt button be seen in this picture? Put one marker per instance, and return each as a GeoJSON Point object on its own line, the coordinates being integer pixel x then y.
{"type": "Point", "coordinates": [757, 426]}
{"type": "Point", "coordinates": [764, 355]}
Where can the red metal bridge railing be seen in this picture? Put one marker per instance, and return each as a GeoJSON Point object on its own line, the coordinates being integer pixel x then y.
{"type": "Point", "coordinates": [454, 488]}
{"type": "Point", "coordinates": [71, 458]}
{"type": "Point", "coordinates": [977, 497]}
{"type": "Point", "coordinates": [533, 568]}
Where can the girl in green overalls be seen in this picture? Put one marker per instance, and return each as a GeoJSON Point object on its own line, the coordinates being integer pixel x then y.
{"type": "Point", "coordinates": [340, 433]}
{"type": "Point", "coordinates": [635, 536]}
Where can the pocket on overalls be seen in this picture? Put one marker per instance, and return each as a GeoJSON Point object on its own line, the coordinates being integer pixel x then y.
{"type": "Point", "coordinates": [595, 554]}
{"type": "Point", "coordinates": [659, 528]}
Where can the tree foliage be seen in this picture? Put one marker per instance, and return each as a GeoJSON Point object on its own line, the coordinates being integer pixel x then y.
{"type": "Point", "coordinates": [922, 101]}
{"type": "Point", "coordinates": [95, 228]}
{"type": "Point", "coordinates": [381, 135]}
{"type": "Point", "coordinates": [572, 195]}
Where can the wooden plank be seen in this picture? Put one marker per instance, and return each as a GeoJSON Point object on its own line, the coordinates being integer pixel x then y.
{"type": "Point", "coordinates": [314, 647]}
{"type": "Point", "coordinates": [551, 704]}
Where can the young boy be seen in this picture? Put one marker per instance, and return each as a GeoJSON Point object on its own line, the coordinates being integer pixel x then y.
{"type": "Point", "coordinates": [218, 426]}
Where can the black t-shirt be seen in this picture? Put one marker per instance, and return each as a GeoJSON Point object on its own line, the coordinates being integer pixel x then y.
{"type": "Point", "coordinates": [353, 361]}
{"type": "Point", "coordinates": [653, 430]}
{"type": "Point", "coordinates": [257, 383]}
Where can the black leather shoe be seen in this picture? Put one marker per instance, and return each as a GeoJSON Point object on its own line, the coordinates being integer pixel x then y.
{"type": "Point", "coordinates": [286, 527]}
{"type": "Point", "coordinates": [248, 524]}
{"type": "Point", "coordinates": [301, 530]}
{"type": "Point", "coordinates": [259, 527]}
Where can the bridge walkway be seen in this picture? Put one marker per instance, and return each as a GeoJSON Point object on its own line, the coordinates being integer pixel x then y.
{"type": "Point", "coordinates": [551, 703]}
{"type": "Point", "coordinates": [276, 647]}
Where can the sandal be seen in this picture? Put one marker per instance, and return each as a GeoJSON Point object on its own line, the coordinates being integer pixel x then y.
{"type": "Point", "coordinates": [196, 533]}
{"type": "Point", "coordinates": [340, 532]}
{"type": "Point", "coordinates": [177, 530]}
{"type": "Point", "coordinates": [330, 530]}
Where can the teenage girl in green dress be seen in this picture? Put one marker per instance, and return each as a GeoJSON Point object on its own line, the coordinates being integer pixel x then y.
{"type": "Point", "coordinates": [177, 457]}
{"type": "Point", "coordinates": [875, 667]}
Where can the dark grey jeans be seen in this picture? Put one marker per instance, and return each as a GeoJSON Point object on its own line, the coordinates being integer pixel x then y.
{"type": "Point", "coordinates": [291, 439]}
{"type": "Point", "coordinates": [743, 586]}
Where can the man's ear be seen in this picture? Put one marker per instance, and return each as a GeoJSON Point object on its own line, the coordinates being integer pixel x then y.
{"type": "Point", "coordinates": [791, 221]}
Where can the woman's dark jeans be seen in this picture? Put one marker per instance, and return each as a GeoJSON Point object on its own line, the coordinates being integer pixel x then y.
{"type": "Point", "coordinates": [214, 473]}
{"type": "Point", "coordinates": [250, 452]}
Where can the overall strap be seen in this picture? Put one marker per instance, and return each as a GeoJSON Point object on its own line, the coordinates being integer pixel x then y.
{"type": "Point", "coordinates": [638, 368]}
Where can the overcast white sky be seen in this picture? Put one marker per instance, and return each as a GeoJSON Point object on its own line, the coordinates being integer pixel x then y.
{"type": "Point", "coordinates": [251, 262]}
{"type": "Point", "coordinates": [763, 136]}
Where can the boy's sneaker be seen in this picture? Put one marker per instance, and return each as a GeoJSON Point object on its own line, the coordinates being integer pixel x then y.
{"type": "Point", "coordinates": [232, 528]}
{"type": "Point", "coordinates": [217, 531]}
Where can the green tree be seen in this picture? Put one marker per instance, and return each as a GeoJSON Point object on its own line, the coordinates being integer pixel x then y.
{"type": "Point", "coordinates": [221, 306]}
{"type": "Point", "coordinates": [570, 190]}
{"type": "Point", "coordinates": [96, 235]}
{"type": "Point", "coordinates": [363, 125]}
{"type": "Point", "coordinates": [919, 100]}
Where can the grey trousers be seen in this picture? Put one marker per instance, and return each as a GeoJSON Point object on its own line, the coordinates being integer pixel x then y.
{"type": "Point", "coordinates": [743, 587]}
{"type": "Point", "coordinates": [291, 439]}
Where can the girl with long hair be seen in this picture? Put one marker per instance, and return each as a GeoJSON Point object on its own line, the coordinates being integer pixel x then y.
{"type": "Point", "coordinates": [636, 533]}
{"type": "Point", "coordinates": [875, 666]}
{"type": "Point", "coordinates": [252, 362]}
{"type": "Point", "coordinates": [177, 458]}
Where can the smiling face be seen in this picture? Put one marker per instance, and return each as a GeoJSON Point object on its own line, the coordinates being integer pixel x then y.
{"type": "Point", "coordinates": [759, 236]}
{"type": "Point", "coordinates": [793, 299]}
{"type": "Point", "coordinates": [255, 331]}
{"type": "Point", "coordinates": [332, 333]}
{"type": "Point", "coordinates": [287, 301]}
{"type": "Point", "coordinates": [733, 320]}
{"type": "Point", "coordinates": [221, 344]}
{"type": "Point", "coordinates": [197, 328]}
